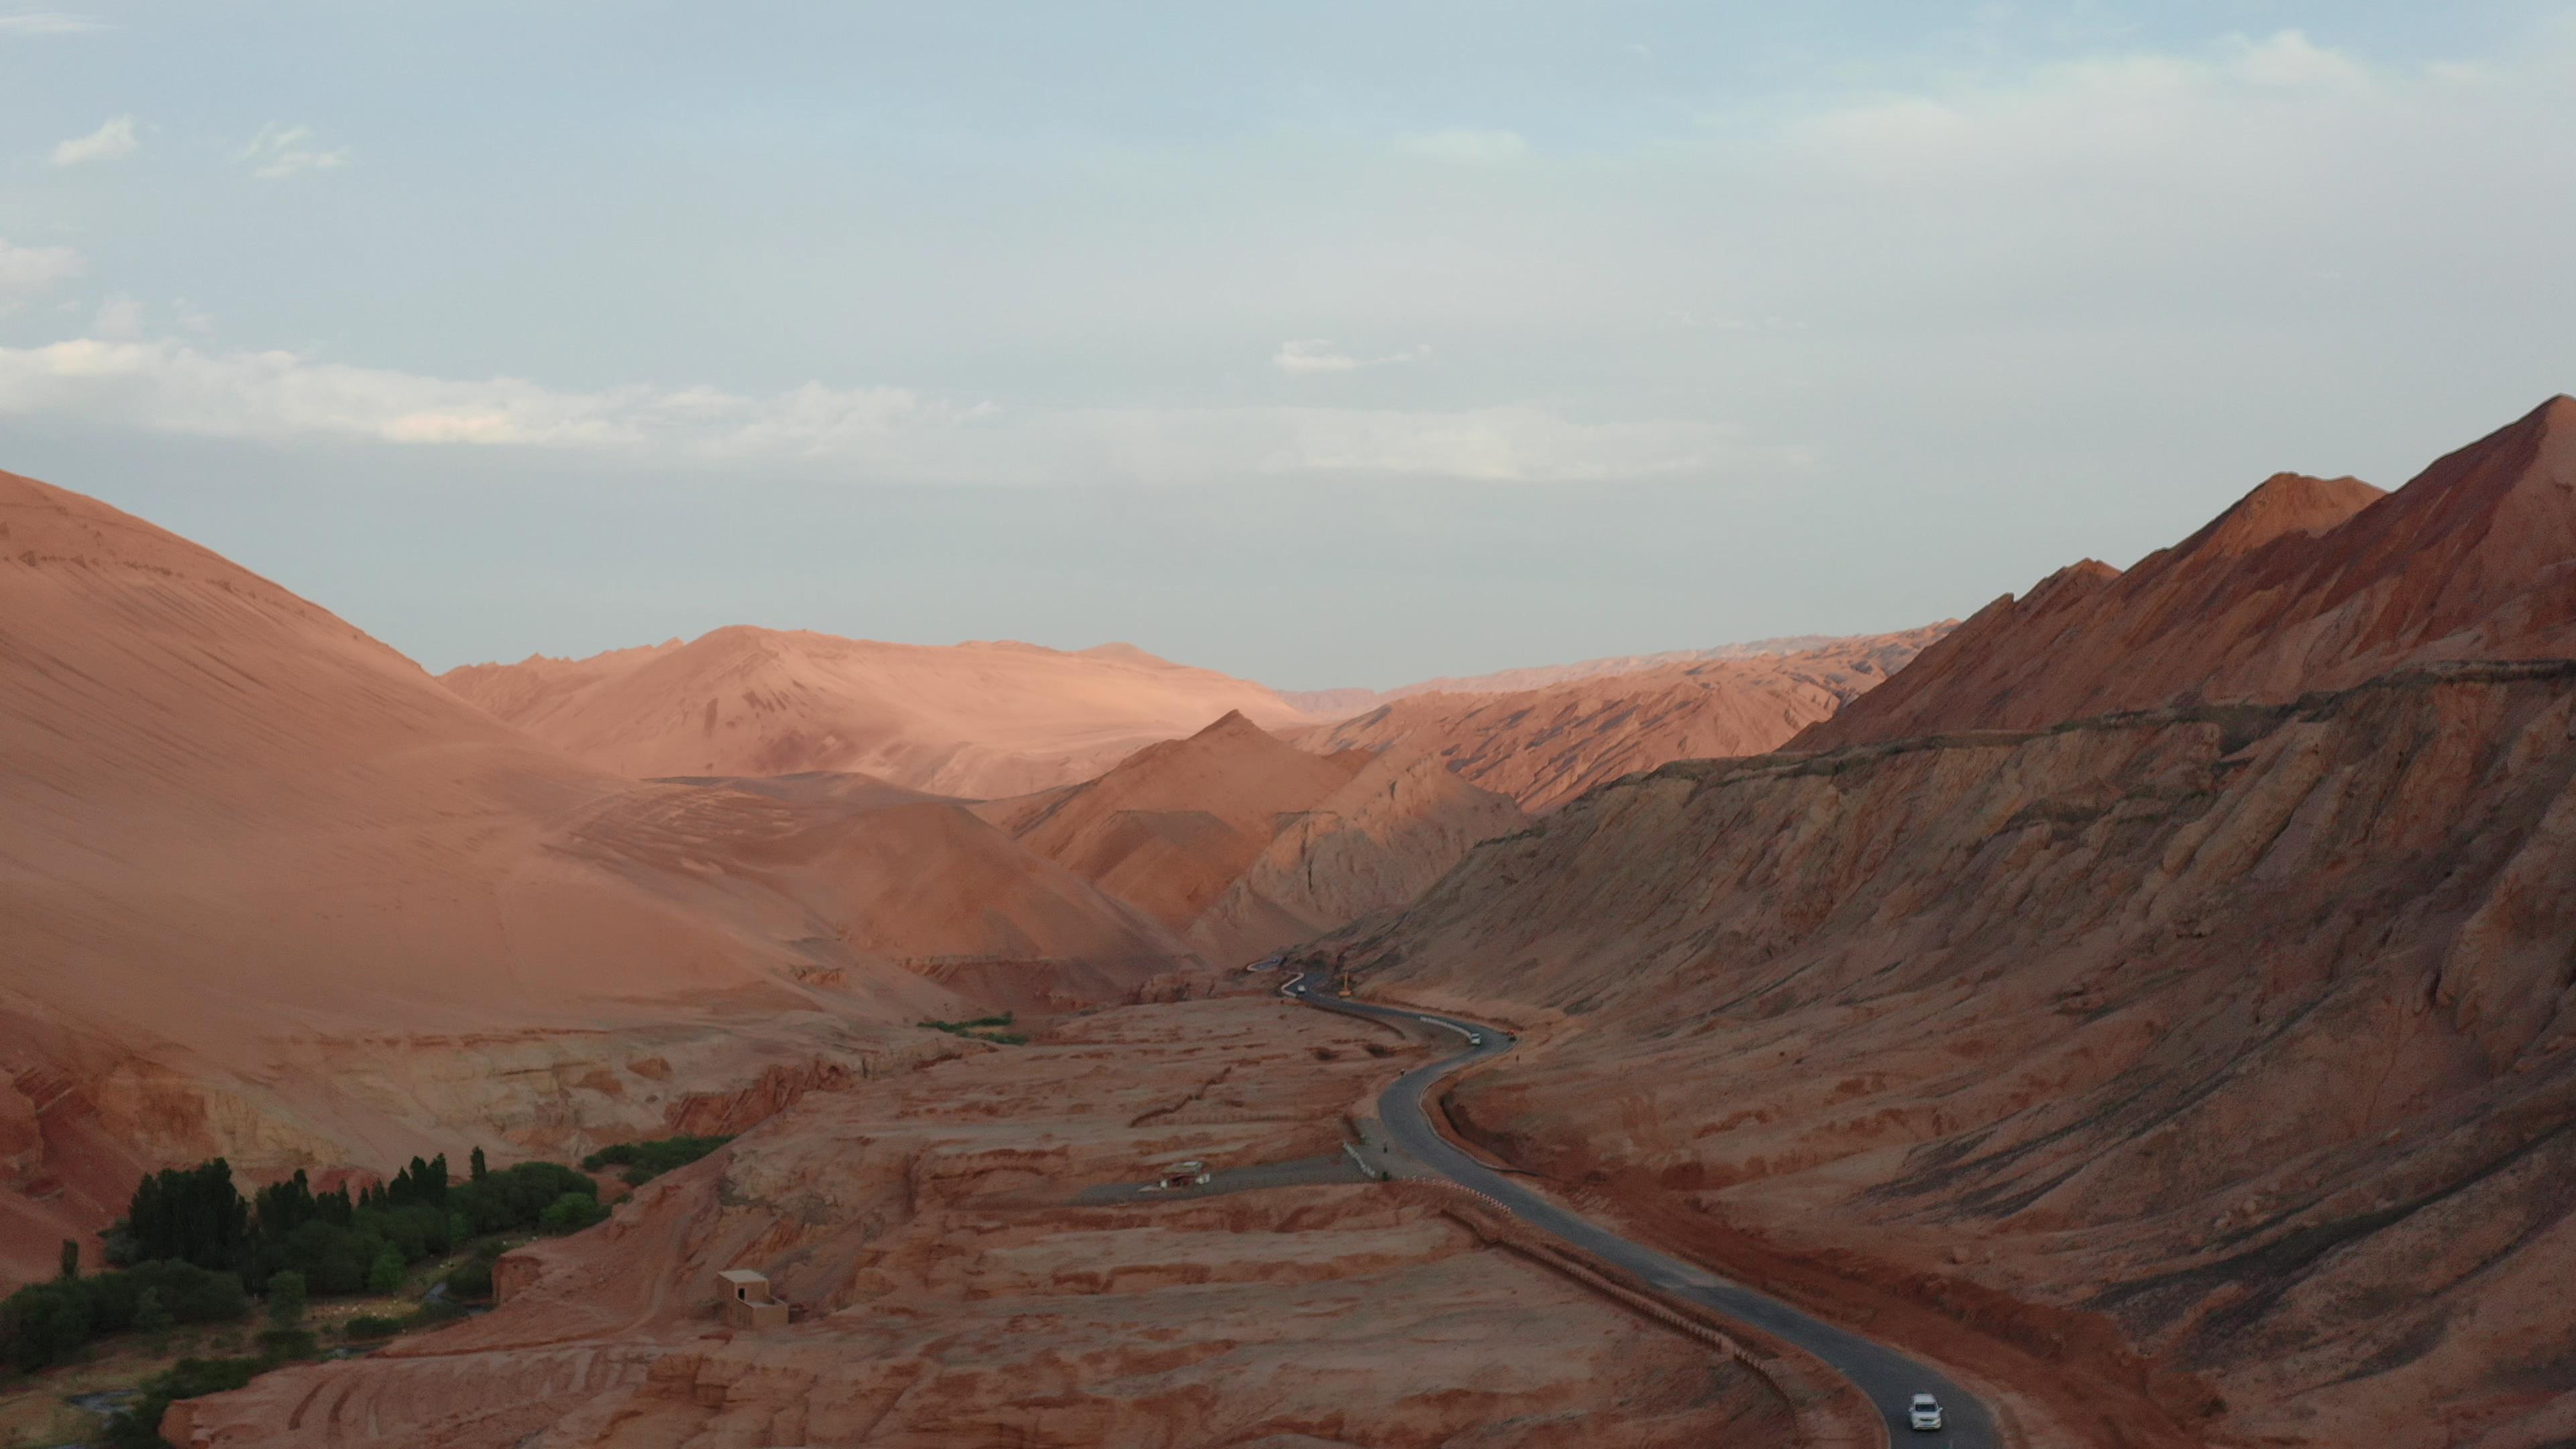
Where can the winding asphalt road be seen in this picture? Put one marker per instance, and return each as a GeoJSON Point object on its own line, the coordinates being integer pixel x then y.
{"type": "Point", "coordinates": [1889, 1378]}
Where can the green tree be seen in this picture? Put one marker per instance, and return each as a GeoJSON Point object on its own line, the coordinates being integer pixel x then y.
{"type": "Point", "coordinates": [475, 1165]}
{"type": "Point", "coordinates": [71, 1257]}
{"type": "Point", "coordinates": [570, 1213]}
{"type": "Point", "coordinates": [151, 1315]}
{"type": "Point", "coordinates": [44, 1322]}
{"type": "Point", "coordinates": [386, 1275]}
{"type": "Point", "coordinates": [286, 1298]}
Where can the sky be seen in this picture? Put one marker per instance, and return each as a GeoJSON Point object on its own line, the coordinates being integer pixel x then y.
{"type": "Point", "coordinates": [1323, 343]}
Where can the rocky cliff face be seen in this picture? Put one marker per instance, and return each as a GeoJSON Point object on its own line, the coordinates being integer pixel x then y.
{"type": "Point", "coordinates": [2221, 1056]}
{"type": "Point", "coordinates": [1547, 744]}
{"type": "Point", "coordinates": [2305, 584]}
{"type": "Point", "coordinates": [1247, 843]}
{"type": "Point", "coordinates": [2248, 1030]}
{"type": "Point", "coordinates": [1371, 846]}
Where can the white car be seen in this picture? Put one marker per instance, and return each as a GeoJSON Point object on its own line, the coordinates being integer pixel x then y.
{"type": "Point", "coordinates": [1924, 1413]}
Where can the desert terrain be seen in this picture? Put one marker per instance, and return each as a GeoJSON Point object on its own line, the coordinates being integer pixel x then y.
{"type": "Point", "coordinates": [978, 720]}
{"type": "Point", "coordinates": [2148, 1000]}
{"type": "Point", "coordinates": [953, 1283]}
{"type": "Point", "coordinates": [2217, 1050]}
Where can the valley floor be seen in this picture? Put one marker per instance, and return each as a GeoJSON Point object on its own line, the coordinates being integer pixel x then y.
{"type": "Point", "coordinates": [950, 1286]}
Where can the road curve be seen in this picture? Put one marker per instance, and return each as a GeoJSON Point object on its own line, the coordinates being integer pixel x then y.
{"type": "Point", "coordinates": [1888, 1377]}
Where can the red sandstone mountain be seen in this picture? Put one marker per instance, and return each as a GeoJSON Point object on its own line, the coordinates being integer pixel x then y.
{"type": "Point", "coordinates": [2305, 584]}
{"type": "Point", "coordinates": [2211, 1068]}
{"type": "Point", "coordinates": [1290, 842]}
{"type": "Point", "coordinates": [1543, 746]}
{"type": "Point", "coordinates": [981, 720]}
{"type": "Point", "coordinates": [1342, 703]}
{"type": "Point", "coordinates": [271, 892]}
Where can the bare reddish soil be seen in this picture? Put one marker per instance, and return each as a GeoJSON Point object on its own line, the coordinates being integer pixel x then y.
{"type": "Point", "coordinates": [946, 1292]}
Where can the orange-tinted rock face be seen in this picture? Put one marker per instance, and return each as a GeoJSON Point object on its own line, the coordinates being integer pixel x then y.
{"type": "Point", "coordinates": [1246, 843]}
{"type": "Point", "coordinates": [1546, 744]}
{"type": "Point", "coordinates": [2245, 1030]}
{"type": "Point", "coordinates": [981, 720]}
{"type": "Point", "coordinates": [2305, 584]}
{"type": "Point", "coordinates": [944, 1291]}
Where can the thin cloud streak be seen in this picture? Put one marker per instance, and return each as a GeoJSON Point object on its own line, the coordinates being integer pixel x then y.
{"type": "Point", "coordinates": [888, 434]}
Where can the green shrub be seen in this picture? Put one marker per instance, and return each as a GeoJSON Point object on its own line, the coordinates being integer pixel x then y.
{"type": "Point", "coordinates": [571, 1213]}
{"type": "Point", "coordinates": [649, 1159]}
{"type": "Point", "coordinates": [369, 1325]}
{"type": "Point", "coordinates": [286, 1298]}
{"type": "Point", "coordinates": [470, 1279]}
{"type": "Point", "coordinates": [45, 1323]}
{"type": "Point", "coordinates": [139, 1427]}
{"type": "Point", "coordinates": [385, 1275]}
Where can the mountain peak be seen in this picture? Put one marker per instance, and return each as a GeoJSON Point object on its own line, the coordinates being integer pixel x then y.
{"type": "Point", "coordinates": [2283, 504]}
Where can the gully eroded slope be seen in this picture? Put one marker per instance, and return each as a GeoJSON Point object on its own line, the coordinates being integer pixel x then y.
{"type": "Point", "coordinates": [2244, 1031]}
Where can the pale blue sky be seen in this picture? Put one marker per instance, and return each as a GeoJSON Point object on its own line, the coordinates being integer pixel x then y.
{"type": "Point", "coordinates": [1323, 343]}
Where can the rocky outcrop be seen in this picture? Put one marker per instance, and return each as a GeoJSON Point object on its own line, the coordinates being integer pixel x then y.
{"type": "Point", "coordinates": [1246, 843]}
{"type": "Point", "coordinates": [1546, 744]}
{"type": "Point", "coordinates": [1371, 846]}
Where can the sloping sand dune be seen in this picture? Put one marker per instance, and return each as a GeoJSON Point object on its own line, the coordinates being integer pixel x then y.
{"type": "Point", "coordinates": [270, 891]}
{"type": "Point", "coordinates": [980, 720]}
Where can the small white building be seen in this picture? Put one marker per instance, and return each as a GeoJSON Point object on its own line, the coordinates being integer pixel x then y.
{"type": "Point", "coordinates": [744, 1300]}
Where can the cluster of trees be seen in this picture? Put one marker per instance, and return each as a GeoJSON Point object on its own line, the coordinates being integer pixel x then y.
{"type": "Point", "coordinates": [191, 1248]}
{"type": "Point", "coordinates": [645, 1161]}
{"type": "Point", "coordinates": [43, 1322]}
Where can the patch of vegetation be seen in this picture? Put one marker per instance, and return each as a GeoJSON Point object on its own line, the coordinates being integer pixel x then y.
{"type": "Point", "coordinates": [139, 1425]}
{"type": "Point", "coordinates": [983, 1028]}
{"type": "Point", "coordinates": [645, 1161]}
{"type": "Point", "coordinates": [43, 1323]}
{"type": "Point", "coordinates": [192, 1250]}
{"type": "Point", "coordinates": [428, 1315]}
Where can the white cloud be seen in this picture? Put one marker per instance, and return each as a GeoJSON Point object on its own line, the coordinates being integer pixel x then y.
{"type": "Point", "coordinates": [26, 271]}
{"type": "Point", "coordinates": [166, 385]}
{"type": "Point", "coordinates": [278, 152]}
{"type": "Point", "coordinates": [114, 139]}
{"type": "Point", "coordinates": [1462, 146]}
{"type": "Point", "coordinates": [1316, 354]}
{"type": "Point", "coordinates": [49, 23]}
